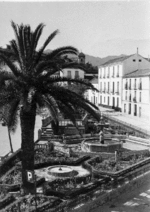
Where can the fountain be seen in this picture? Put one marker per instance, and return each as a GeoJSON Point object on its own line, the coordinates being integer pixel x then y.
{"type": "Point", "coordinates": [61, 171]}
{"type": "Point", "coordinates": [101, 143]}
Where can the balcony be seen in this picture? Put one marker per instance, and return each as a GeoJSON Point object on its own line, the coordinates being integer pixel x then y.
{"type": "Point", "coordinates": [129, 87]}
{"type": "Point", "coordinates": [104, 76]}
{"type": "Point", "coordinates": [113, 92]}
{"type": "Point", "coordinates": [117, 75]}
{"type": "Point", "coordinates": [108, 91]}
{"type": "Point", "coordinates": [135, 87]}
{"type": "Point", "coordinates": [107, 76]}
{"type": "Point", "coordinates": [129, 98]}
{"type": "Point", "coordinates": [117, 93]}
{"type": "Point", "coordinates": [113, 76]}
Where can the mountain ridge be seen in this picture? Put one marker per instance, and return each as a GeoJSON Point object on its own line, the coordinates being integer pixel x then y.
{"type": "Point", "coordinates": [96, 61]}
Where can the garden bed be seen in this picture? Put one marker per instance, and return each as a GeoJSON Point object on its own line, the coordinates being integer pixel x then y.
{"type": "Point", "coordinates": [126, 163]}
{"type": "Point", "coordinates": [30, 202]}
{"type": "Point", "coordinates": [43, 158]}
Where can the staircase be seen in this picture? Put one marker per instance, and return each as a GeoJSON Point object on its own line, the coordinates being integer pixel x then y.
{"type": "Point", "coordinates": [47, 133]}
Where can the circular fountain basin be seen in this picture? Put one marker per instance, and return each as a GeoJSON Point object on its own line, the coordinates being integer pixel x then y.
{"type": "Point", "coordinates": [61, 171]}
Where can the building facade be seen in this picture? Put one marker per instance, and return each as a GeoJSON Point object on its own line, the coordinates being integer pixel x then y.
{"type": "Point", "coordinates": [136, 94]}
{"type": "Point", "coordinates": [110, 78]}
{"type": "Point", "coordinates": [92, 96]}
{"type": "Point", "coordinates": [75, 73]}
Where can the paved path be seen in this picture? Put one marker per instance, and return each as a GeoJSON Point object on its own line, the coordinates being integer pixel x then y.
{"type": "Point", "coordinates": [137, 122]}
{"type": "Point", "coordinates": [137, 201]}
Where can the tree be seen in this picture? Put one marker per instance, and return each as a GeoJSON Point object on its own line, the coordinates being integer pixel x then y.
{"type": "Point", "coordinates": [33, 82]}
{"type": "Point", "coordinates": [11, 124]}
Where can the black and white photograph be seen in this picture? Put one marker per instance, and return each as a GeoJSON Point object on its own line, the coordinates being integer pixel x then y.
{"type": "Point", "coordinates": [75, 106]}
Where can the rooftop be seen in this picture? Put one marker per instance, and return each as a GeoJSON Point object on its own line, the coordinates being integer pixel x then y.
{"type": "Point", "coordinates": [138, 73]}
{"type": "Point", "coordinates": [116, 60]}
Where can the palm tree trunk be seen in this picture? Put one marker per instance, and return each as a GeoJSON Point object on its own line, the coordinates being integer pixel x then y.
{"type": "Point", "coordinates": [10, 141]}
{"type": "Point", "coordinates": [27, 119]}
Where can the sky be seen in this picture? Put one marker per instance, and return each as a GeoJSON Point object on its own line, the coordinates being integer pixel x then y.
{"type": "Point", "coordinates": [97, 28]}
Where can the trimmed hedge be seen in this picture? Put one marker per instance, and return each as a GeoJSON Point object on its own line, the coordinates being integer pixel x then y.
{"type": "Point", "coordinates": [6, 201]}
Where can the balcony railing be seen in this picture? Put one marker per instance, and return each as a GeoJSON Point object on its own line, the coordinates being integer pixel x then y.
{"type": "Point", "coordinates": [129, 98]}
{"type": "Point", "coordinates": [135, 87]}
{"type": "Point", "coordinates": [107, 76]}
{"type": "Point", "coordinates": [113, 92]}
{"type": "Point", "coordinates": [129, 87]}
{"type": "Point", "coordinates": [117, 75]}
{"type": "Point", "coordinates": [117, 92]}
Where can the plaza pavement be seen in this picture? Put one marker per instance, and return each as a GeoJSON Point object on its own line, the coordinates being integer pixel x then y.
{"type": "Point", "coordinates": [135, 201]}
{"type": "Point", "coordinates": [136, 122]}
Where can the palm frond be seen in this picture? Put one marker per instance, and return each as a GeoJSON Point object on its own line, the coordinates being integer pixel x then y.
{"type": "Point", "coordinates": [60, 52]}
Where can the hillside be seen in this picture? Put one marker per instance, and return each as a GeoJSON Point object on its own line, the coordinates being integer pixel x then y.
{"type": "Point", "coordinates": [96, 61]}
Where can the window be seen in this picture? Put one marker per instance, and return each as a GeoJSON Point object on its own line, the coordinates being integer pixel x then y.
{"type": "Point", "coordinates": [108, 87]}
{"type": "Point", "coordinates": [135, 84]}
{"type": "Point", "coordinates": [113, 71]}
{"type": "Point", "coordinates": [140, 60]}
{"type": "Point", "coordinates": [118, 87]}
{"type": "Point", "coordinates": [118, 71]}
{"type": "Point", "coordinates": [134, 60]}
{"type": "Point", "coordinates": [104, 99]}
{"type": "Point", "coordinates": [140, 97]}
{"type": "Point", "coordinates": [124, 108]}
{"type": "Point", "coordinates": [126, 95]}
{"type": "Point", "coordinates": [69, 74]}
{"type": "Point", "coordinates": [76, 74]}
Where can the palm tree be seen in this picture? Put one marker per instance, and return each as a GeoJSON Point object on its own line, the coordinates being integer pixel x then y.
{"type": "Point", "coordinates": [32, 82]}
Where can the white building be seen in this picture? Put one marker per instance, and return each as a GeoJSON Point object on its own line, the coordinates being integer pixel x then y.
{"type": "Point", "coordinates": [75, 73]}
{"type": "Point", "coordinates": [92, 96]}
{"type": "Point", "coordinates": [136, 94]}
{"type": "Point", "coordinates": [110, 76]}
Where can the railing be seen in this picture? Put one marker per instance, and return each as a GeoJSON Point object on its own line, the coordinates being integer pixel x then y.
{"type": "Point", "coordinates": [111, 117]}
